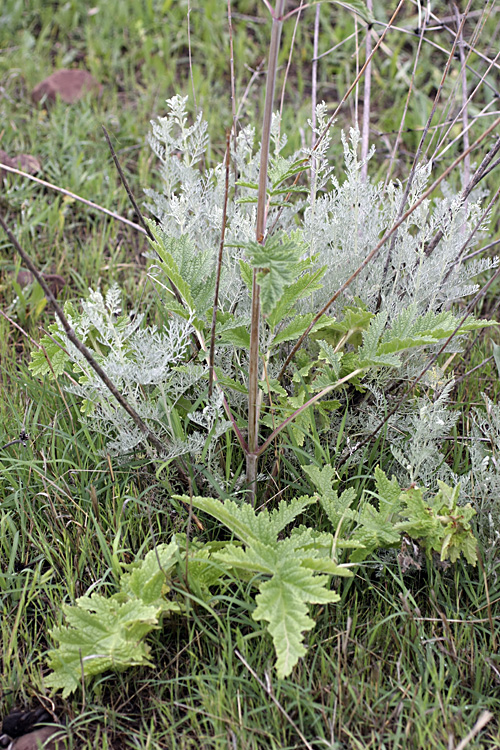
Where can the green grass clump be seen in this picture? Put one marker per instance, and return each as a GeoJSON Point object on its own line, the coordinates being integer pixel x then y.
{"type": "Point", "coordinates": [403, 660]}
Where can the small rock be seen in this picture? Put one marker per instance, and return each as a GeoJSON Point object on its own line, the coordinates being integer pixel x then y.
{"type": "Point", "coordinates": [69, 85]}
{"type": "Point", "coordinates": [21, 722]}
{"type": "Point", "coordinates": [39, 738]}
{"type": "Point", "coordinates": [20, 731]}
{"type": "Point", "coordinates": [24, 162]}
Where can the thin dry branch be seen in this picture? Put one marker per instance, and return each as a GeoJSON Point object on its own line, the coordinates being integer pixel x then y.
{"type": "Point", "coordinates": [435, 45]}
{"type": "Point", "coordinates": [75, 197]}
{"type": "Point", "coordinates": [219, 270]}
{"type": "Point", "coordinates": [340, 105]}
{"type": "Point", "coordinates": [479, 222]}
{"type": "Point", "coordinates": [289, 61]}
{"type": "Point", "coordinates": [231, 68]}
{"type": "Point", "coordinates": [358, 77]}
{"type": "Point", "coordinates": [478, 175]}
{"type": "Point", "coordinates": [407, 102]}
{"type": "Point", "coordinates": [127, 186]}
{"type": "Point", "coordinates": [423, 137]}
{"type": "Point", "coordinates": [314, 99]}
{"type": "Point", "coordinates": [190, 57]}
{"type": "Point", "coordinates": [365, 132]}
{"type": "Point", "coordinates": [133, 201]}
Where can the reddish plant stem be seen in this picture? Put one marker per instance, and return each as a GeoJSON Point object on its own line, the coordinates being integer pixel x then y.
{"type": "Point", "coordinates": [253, 374]}
{"type": "Point", "coordinates": [218, 273]}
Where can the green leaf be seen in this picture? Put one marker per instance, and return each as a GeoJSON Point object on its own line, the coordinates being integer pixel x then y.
{"type": "Point", "coordinates": [400, 345]}
{"type": "Point", "coordinates": [301, 424]}
{"type": "Point", "coordinates": [371, 337]}
{"type": "Point", "coordinates": [389, 493]}
{"type": "Point", "coordinates": [292, 563]}
{"type": "Point", "coordinates": [147, 579]}
{"type": "Point", "coordinates": [281, 170]}
{"type": "Point", "coordinates": [239, 336]}
{"type": "Point", "coordinates": [293, 330]}
{"type": "Point", "coordinates": [282, 603]}
{"type": "Point", "coordinates": [203, 570]}
{"type": "Point", "coordinates": [328, 354]}
{"type": "Point", "coordinates": [409, 330]}
{"type": "Point", "coordinates": [100, 634]}
{"type": "Point", "coordinates": [248, 525]}
{"type": "Point", "coordinates": [272, 385]}
{"type": "Point", "coordinates": [257, 558]}
{"type": "Point", "coordinates": [251, 185]}
{"type": "Point", "coordinates": [107, 633]}
{"type": "Point", "coordinates": [350, 328]}
{"type": "Point", "coordinates": [374, 531]}
{"type": "Point", "coordinates": [171, 270]}
{"type": "Point", "coordinates": [246, 274]}
{"type": "Point", "coordinates": [245, 201]}
{"type": "Point", "coordinates": [227, 321]}
{"type": "Point", "coordinates": [303, 286]}
{"type": "Point", "coordinates": [496, 356]}
{"type": "Point", "coordinates": [338, 509]}
{"type": "Point", "coordinates": [189, 268]}
{"type": "Point", "coordinates": [422, 522]}
{"type": "Point", "coordinates": [170, 304]}
{"type": "Point", "coordinates": [226, 512]}
{"type": "Point", "coordinates": [276, 259]}
{"type": "Point", "coordinates": [56, 354]}
{"type": "Point", "coordinates": [228, 382]}
{"type": "Point", "coordinates": [321, 478]}
{"type": "Point", "coordinates": [440, 524]}
{"type": "Point", "coordinates": [321, 547]}
{"type": "Point", "coordinates": [379, 528]}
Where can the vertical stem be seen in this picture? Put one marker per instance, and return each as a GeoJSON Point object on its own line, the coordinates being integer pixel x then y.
{"type": "Point", "coordinates": [290, 56]}
{"type": "Point", "coordinates": [365, 138]}
{"type": "Point", "coordinates": [189, 53]}
{"type": "Point", "coordinates": [231, 67]}
{"type": "Point", "coordinates": [253, 373]}
{"type": "Point", "coordinates": [314, 100]}
{"type": "Point", "coordinates": [465, 113]}
{"type": "Point", "coordinates": [218, 272]}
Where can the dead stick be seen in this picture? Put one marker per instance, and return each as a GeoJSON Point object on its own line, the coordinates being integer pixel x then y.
{"type": "Point", "coordinates": [127, 187]}
{"type": "Point", "coordinates": [74, 196]}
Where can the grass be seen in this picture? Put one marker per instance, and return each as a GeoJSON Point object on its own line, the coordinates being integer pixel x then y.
{"type": "Point", "coordinates": [402, 661]}
{"type": "Point", "coordinates": [405, 660]}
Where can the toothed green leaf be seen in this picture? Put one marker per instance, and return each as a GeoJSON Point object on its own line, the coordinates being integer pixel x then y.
{"type": "Point", "coordinates": [282, 603]}
{"type": "Point", "coordinates": [107, 633]}
{"type": "Point", "coordinates": [275, 263]}
{"type": "Point", "coordinates": [290, 567]}
{"type": "Point", "coordinates": [100, 634]}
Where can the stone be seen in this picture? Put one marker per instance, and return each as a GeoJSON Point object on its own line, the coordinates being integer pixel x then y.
{"type": "Point", "coordinates": [24, 162]}
{"type": "Point", "coordinates": [68, 85]}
